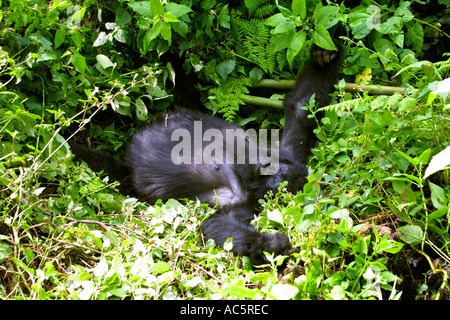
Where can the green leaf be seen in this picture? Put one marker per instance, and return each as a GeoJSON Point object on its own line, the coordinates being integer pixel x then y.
{"type": "Point", "coordinates": [77, 39]}
{"type": "Point", "coordinates": [59, 37]}
{"type": "Point", "coordinates": [326, 16]}
{"type": "Point", "coordinates": [156, 7]}
{"type": "Point", "coordinates": [438, 162]}
{"type": "Point", "coordinates": [166, 32]}
{"type": "Point", "coordinates": [168, 17]}
{"type": "Point", "coordinates": [342, 215]}
{"type": "Point", "coordinates": [79, 62]}
{"type": "Point", "coordinates": [285, 26]}
{"type": "Point", "coordinates": [414, 36]}
{"type": "Point", "coordinates": [238, 289]}
{"type": "Point", "coordinates": [177, 9]}
{"type": "Point", "coordinates": [275, 215]}
{"type": "Point", "coordinates": [5, 251]}
{"type": "Point", "coordinates": [299, 8]}
{"type": "Point", "coordinates": [358, 24]}
{"type": "Point", "coordinates": [181, 28]}
{"type": "Point", "coordinates": [141, 110]}
{"type": "Point", "coordinates": [118, 292]}
{"type": "Point", "coordinates": [411, 234]}
{"type": "Point", "coordinates": [161, 267]}
{"type": "Point", "coordinates": [22, 265]}
{"type": "Point", "coordinates": [225, 68]}
{"type": "Point", "coordinates": [323, 39]}
{"type": "Point", "coordinates": [154, 31]}
{"type": "Point", "coordinates": [295, 46]}
{"type": "Point", "coordinates": [382, 45]}
{"type": "Point", "coordinates": [281, 41]}
{"type": "Point", "coordinates": [276, 20]}
{"type": "Point", "coordinates": [285, 11]}
{"type": "Point", "coordinates": [390, 246]}
{"type": "Point", "coordinates": [413, 178]}
{"type": "Point", "coordinates": [361, 245]}
{"type": "Point", "coordinates": [425, 156]}
{"type": "Point", "coordinates": [256, 74]}
{"type": "Point", "coordinates": [77, 16]}
{"type": "Point", "coordinates": [438, 197]}
{"type": "Point", "coordinates": [247, 263]}
{"type": "Point", "coordinates": [438, 213]}
{"type": "Point", "coordinates": [303, 225]}
{"type": "Point", "coordinates": [142, 7]}
{"type": "Point", "coordinates": [122, 17]}
{"type": "Point", "coordinates": [399, 39]}
{"type": "Point", "coordinates": [104, 61]}
{"type": "Point", "coordinates": [251, 5]}
{"type": "Point", "coordinates": [224, 18]}
{"type": "Point", "coordinates": [413, 161]}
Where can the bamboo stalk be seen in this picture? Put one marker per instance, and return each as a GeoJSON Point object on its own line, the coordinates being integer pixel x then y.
{"type": "Point", "coordinates": [373, 89]}
{"type": "Point", "coordinates": [265, 102]}
{"type": "Point", "coordinates": [349, 87]}
{"type": "Point", "coordinates": [289, 84]}
{"type": "Point", "coordinates": [275, 84]}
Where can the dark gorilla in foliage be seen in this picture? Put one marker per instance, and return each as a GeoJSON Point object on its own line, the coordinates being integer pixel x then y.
{"type": "Point", "coordinates": [149, 172]}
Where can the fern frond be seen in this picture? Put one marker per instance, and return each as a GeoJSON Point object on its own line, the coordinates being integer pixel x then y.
{"type": "Point", "coordinates": [407, 104]}
{"type": "Point", "coordinates": [255, 39]}
{"type": "Point", "coordinates": [281, 59]}
{"type": "Point", "coordinates": [346, 106]}
{"type": "Point", "coordinates": [265, 11]}
{"type": "Point", "coordinates": [227, 98]}
{"type": "Point", "coordinates": [397, 103]}
{"type": "Point", "coordinates": [443, 67]}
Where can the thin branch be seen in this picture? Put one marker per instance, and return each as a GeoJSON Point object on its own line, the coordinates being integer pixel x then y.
{"type": "Point", "coordinates": [104, 224]}
{"type": "Point", "coordinates": [196, 266]}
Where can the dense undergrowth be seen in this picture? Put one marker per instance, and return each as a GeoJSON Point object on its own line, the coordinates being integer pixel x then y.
{"type": "Point", "coordinates": [372, 222]}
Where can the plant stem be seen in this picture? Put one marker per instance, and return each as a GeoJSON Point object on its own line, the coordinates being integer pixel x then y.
{"type": "Point", "coordinates": [434, 270]}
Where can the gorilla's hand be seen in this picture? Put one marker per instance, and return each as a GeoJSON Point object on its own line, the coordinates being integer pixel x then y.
{"type": "Point", "coordinates": [323, 57]}
{"type": "Point", "coordinates": [246, 240]}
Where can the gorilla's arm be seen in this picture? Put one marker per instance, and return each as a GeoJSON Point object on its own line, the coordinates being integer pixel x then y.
{"type": "Point", "coordinates": [234, 222]}
{"type": "Point", "coordinates": [318, 78]}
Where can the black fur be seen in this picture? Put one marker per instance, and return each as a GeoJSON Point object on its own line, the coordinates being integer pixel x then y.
{"type": "Point", "coordinates": [148, 171]}
{"type": "Point", "coordinates": [317, 78]}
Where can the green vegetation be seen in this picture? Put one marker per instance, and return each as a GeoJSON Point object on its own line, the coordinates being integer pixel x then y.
{"type": "Point", "coordinates": [372, 222]}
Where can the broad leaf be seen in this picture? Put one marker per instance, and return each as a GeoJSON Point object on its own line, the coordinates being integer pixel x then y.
{"type": "Point", "coordinates": [104, 61]}
{"type": "Point", "coordinates": [438, 162]}
{"type": "Point", "coordinates": [156, 7]}
{"type": "Point", "coordinates": [411, 234]}
{"type": "Point", "coordinates": [295, 46]}
{"type": "Point", "coordinates": [323, 39]}
{"type": "Point", "coordinates": [438, 197]}
{"type": "Point", "coordinates": [142, 7]}
{"type": "Point", "coordinates": [225, 68]}
{"type": "Point", "coordinates": [299, 8]}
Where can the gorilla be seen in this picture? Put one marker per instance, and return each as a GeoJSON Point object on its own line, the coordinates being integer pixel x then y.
{"type": "Point", "coordinates": [189, 154]}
